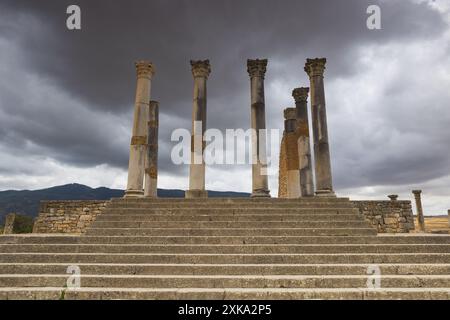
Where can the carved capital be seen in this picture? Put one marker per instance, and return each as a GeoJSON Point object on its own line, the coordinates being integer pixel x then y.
{"type": "Point", "coordinates": [315, 67]}
{"type": "Point", "coordinates": [290, 114]}
{"type": "Point", "coordinates": [144, 69]}
{"type": "Point", "coordinates": [300, 94]}
{"type": "Point", "coordinates": [200, 68]}
{"type": "Point", "coordinates": [256, 67]}
{"type": "Point", "coordinates": [417, 192]}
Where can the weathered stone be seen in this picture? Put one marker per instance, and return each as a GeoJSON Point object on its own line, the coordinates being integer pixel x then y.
{"type": "Point", "coordinates": [387, 216]}
{"type": "Point", "coordinates": [151, 166]}
{"type": "Point", "coordinates": [138, 145]}
{"type": "Point", "coordinates": [420, 217]}
{"type": "Point", "coordinates": [71, 216]}
{"type": "Point", "coordinates": [315, 69]}
{"type": "Point", "coordinates": [9, 223]}
{"type": "Point", "coordinates": [300, 96]}
{"type": "Point", "coordinates": [200, 71]}
{"type": "Point", "coordinates": [257, 70]}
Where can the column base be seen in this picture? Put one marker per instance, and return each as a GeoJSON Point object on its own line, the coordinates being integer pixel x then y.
{"type": "Point", "coordinates": [191, 194]}
{"type": "Point", "coordinates": [325, 193]}
{"type": "Point", "coordinates": [134, 194]}
{"type": "Point", "coordinates": [260, 194]}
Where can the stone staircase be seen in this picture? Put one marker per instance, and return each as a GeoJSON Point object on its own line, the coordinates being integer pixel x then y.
{"type": "Point", "coordinates": [315, 248]}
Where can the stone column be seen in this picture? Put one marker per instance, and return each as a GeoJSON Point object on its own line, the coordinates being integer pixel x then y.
{"type": "Point", "coordinates": [200, 71]}
{"type": "Point", "coordinates": [304, 149]}
{"type": "Point", "coordinates": [315, 69]}
{"type": "Point", "coordinates": [256, 70]}
{"type": "Point", "coordinates": [151, 167]}
{"type": "Point", "coordinates": [292, 172]}
{"type": "Point", "coordinates": [138, 146]}
{"type": "Point", "coordinates": [420, 217]}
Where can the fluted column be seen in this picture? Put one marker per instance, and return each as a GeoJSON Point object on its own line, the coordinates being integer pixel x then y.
{"type": "Point", "coordinates": [151, 167]}
{"type": "Point", "coordinates": [324, 185]}
{"type": "Point", "coordinates": [420, 217]}
{"type": "Point", "coordinates": [293, 173]}
{"type": "Point", "coordinates": [304, 145]}
{"type": "Point", "coordinates": [256, 70]}
{"type": "Point", "coordinates": [145, 71]}
{"type": "Point", "coordinates": [200, 71]}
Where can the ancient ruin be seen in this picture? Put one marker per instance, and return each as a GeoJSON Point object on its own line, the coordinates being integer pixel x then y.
{"type": "Point", "coordinates": [306, 244]}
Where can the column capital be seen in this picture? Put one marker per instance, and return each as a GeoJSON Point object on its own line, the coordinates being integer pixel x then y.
{"type": "Point", "coordinates": [290, 114]}
{"type": "Point", "coordinates": [200, 68]}
{"type": "Point", "coordinates": [300, 94]}
{"type": "Point", "coordinates": [315, 67]}
{"type": "Point", "coordinates": [256, 67]}
{"type": "Point", "coordinates": [144, 69]}
{"type": "Point", "coordinates": [417, 192]}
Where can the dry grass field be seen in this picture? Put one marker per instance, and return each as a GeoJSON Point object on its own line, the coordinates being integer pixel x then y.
{"type": "Point", "coordinates": [434, 223]}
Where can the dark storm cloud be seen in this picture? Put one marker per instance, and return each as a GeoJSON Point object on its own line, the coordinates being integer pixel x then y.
{"type": "Point", "coordinates": [94, 66]}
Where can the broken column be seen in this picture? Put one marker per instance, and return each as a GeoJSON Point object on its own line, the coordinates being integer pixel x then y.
{"type": "Point", "coordinates": [315, 69]}
{"type": "Point", "coordinates": [200, 71]}
{"type": "Point", "coordinates": [448, 212]}
{"type": "Point", "coordinates": [420, 217]}
{"type": "Point", "coordinates": [256, 69]}
{"type": "Point", "coordinates": [9, 223]}
{"type": "Point", "coordinates": [145, 71]}
{"type": "Point", "coordinates": [292, 174]}
{"type": "Point", "coordinates": [304, 149]}
{"type": "Point", "coordinates": [151, 167]}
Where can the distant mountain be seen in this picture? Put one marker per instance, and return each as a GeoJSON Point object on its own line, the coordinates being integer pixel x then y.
{"type": "Point", "coordinates": [27, 201]}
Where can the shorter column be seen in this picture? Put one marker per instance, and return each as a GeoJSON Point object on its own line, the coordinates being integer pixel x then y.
{"type": "Point", "coordinates": [300, 96]}
{"type": "Point", "coordinates": [393, 197]}
{"type": "Point", "coordinates": [151, 166]}
{"type": "Point", "coordinates": [293, 173]}
{"type": "Point", "coordinates": [9, 223]}
{"type": "Point", "coordinates": [420, 218]}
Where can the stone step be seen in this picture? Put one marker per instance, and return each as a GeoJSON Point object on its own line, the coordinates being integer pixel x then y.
{"type": "Point", "coordinates": [227, 200]}
{"type": "Point", "coordinates": [225, 249]}
{"type": "Point", "coordinates": [58, 239]}
{"type": "Point", "coordinates": [230, 224]}
{"type": "Point", "coordinates": [227, 217]}
{"type": "Point", "coordinates": [230, 231]}
{"type": "Point", "coordinates": [231, 281]}
{"type": "Point", "coordinates": [225, 293]}
{"type": "Point", "coordinates": [225, 258]}
{"type": "Point", "coordinates": [235, 206]}
{"type": "Point", "coordinates": [229, 211]}
{"type": "Point", "coordinates": [225, 269]}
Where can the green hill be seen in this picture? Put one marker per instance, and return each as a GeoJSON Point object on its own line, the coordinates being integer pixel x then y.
{"type": "Point", "coordinates": [27, 201]}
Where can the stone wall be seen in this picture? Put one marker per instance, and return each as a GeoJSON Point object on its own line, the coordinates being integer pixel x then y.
{"type": "Point", "coordinates": [387, 216]}
{"type": "Point", "coordinates": [69, 216]}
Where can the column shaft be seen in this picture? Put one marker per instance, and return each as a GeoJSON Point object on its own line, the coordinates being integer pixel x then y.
{"type": "Point", "coordinates": [293, 173]}
{"type": "Point", "coordinates": [200, 72]}
{"type": "Point", "coordinates": [257, 69]}
{"type": "Point", "coordinates": [138, 144]}
{"type": "Point", "coordinates": [151, 168]}
{"type": "Point", "coordinates": [315, 69]}
{"type": "Point", "coordinates": [420, 217]}
{"type": "Point", "coordinates": [304, 145]}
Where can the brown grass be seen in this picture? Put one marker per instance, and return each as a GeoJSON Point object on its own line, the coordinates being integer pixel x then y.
{"type": "Point", "coordinates": [434, 223]}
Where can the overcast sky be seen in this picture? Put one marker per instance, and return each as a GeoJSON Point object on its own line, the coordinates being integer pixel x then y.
{"type": "Point", "coordinates": [66, 97]}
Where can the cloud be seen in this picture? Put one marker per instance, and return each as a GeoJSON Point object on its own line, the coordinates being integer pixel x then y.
{"type": "Point", "coordinates": [66, 98]}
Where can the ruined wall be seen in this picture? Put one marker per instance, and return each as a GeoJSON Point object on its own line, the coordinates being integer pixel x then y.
{"type": "Point", "coordinates": [387, 216]}
{"type": "Point", "coordinates": [69, 216]}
